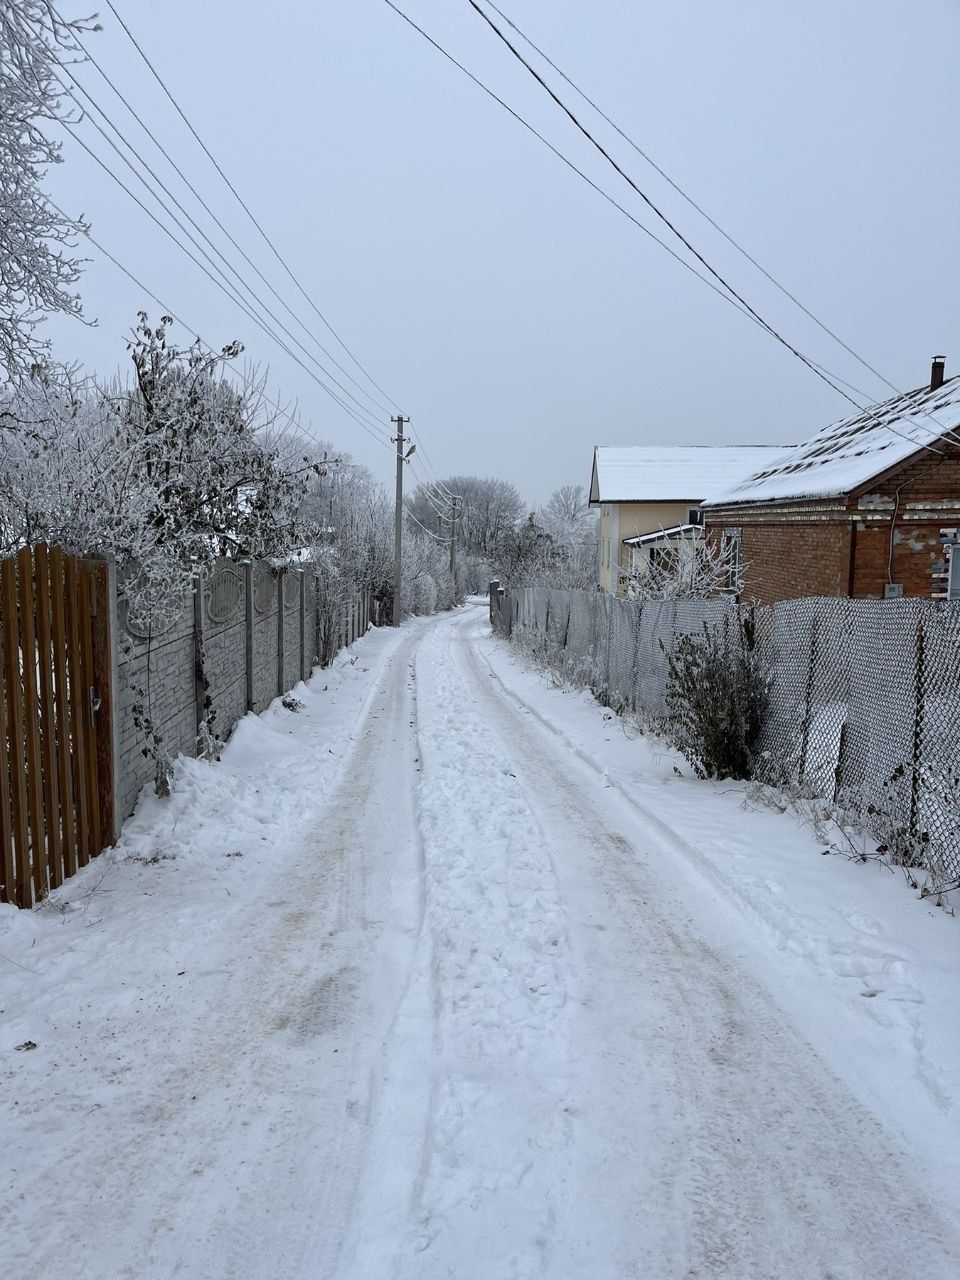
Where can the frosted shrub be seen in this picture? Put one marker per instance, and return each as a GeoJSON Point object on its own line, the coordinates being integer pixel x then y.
{"type": "Point", "coordinates": [37, 269]}
{"type": "Point", "coordinates": [425, 594]}
{"type": "Point", "coordinates": [716, 695]}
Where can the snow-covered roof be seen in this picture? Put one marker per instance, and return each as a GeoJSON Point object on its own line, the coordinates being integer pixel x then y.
{"type": "Point", "coordinates": [672, 473]}
{"type": "Point", "coordinates": [846, 455]}
{"type": "Point", "coordinates": [676, 531]}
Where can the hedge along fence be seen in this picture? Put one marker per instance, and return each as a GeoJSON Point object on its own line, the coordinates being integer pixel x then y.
{"type": "Point", "coordinates": [864, 702]}
{"type": "Point", "coordinates": [243, 635]}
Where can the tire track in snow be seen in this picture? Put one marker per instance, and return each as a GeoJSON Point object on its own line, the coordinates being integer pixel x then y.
{"type": "Point", "coordinates": [243, 1158]}
{"type": "Point", "coordinates": [485, 1021]}
{"type": "Point", "coordinates": [397, 1106]}
{"type": "Point", "coordinates": [754, 1158]}
{"type": "Point", "coordinates": [499, 937]}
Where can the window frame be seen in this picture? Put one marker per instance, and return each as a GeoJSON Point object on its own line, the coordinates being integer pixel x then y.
{"type": "Point", "coordinates": [733, 536]}
{"type": "Point", "coordinates": [953, 571]}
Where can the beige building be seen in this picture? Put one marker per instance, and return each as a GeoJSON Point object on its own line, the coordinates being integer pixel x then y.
{"type": "Point", "coordinates": [643, 489]}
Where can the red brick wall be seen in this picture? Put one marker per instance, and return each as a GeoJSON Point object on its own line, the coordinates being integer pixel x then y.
{"type": "Point", "coordinates": [929, 501]}
{"type": "Point", "coordinates": [786, 561]}
{"type": "Point", "coordinates": [916, 549]}
{"type": "Point", "coordinates": [797, 548]}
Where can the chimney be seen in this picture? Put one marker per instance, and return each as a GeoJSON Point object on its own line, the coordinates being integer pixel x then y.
{"type": "Point", "coordinates": [936, 372]}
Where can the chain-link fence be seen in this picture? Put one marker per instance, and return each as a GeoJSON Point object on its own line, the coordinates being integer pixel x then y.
{"type": "Point", "coordinates": [864, 706]}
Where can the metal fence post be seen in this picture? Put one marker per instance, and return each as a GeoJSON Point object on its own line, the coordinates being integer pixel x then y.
{"type": "Point", "coordinates": [808, 704]}
{"type": "Point", "coordinates": [918, 710]}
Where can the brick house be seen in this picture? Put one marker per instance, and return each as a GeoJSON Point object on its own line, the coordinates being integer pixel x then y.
{"type": "Point", "coordinates": [870, 506]}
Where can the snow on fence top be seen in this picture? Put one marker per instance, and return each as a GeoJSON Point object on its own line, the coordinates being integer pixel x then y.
{"type": "Point", "coordinates": [673, 473]}
{"type": "Point", "coordinates": [848, 454]}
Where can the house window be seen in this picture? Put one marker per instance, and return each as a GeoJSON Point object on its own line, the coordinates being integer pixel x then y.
{"type": "Point", "coordinates": [694, 515]}
{"type": "Point", "coordinates": [953, 573]}
{"type": "Point", "coordinates": [731, 543]}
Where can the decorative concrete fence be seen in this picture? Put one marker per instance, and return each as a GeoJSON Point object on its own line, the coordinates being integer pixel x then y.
{"type": "Point", "coordinates": [244, 634]}
{"type": "Point", "coordinates": [94, 704]}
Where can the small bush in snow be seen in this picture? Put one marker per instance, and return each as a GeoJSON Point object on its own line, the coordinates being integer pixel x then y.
{"type": "Point", "coordinates": [687, 569]}
{"type": "Point", "coordinates": [716, 694]}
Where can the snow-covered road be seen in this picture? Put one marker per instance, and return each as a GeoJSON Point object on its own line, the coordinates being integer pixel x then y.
{"type": "Point", "coordinates": [463, 1015]}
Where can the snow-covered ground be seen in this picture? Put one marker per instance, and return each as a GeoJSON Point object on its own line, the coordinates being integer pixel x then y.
{"type": "Point", "coordinates": [447, 975]}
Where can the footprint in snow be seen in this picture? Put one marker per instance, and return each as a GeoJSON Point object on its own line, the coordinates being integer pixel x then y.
{"type": "Point", "coordinates": [863, 923]}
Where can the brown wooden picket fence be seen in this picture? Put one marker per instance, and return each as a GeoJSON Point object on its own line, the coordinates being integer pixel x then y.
{"type": "Point", "coordinates": [56, 737]}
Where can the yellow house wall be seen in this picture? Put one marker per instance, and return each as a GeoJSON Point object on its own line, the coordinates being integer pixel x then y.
{"type": "Point", "coordinates": [619, 520]}
{"type": "Point", "coordinates": [606, 560]}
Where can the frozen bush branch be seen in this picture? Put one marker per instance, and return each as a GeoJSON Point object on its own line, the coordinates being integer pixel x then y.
{"type": "Point", "coordinates": [37, 270]}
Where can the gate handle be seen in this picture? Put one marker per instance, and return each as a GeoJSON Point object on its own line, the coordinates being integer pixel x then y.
{"type": "Point", "coordinates": [95, 699]}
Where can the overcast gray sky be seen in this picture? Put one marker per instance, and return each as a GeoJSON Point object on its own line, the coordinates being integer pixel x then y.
{"type": "Point", "coordinates": [515, 315]}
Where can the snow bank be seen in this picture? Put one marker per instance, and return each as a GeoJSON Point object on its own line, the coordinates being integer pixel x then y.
{"type": "Point", "coordinates": [869, 972]}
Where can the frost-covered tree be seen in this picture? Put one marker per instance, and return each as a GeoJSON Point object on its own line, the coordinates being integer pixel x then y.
{"type": "Point", "coordinates": [684, 569]}
{"type": "Point", "coordinates": [566, 514]}
{"type": "Point", "coordinates": [349, 520]}
{"type": "Point", "coordinates": [574, 531]}
{"type": "Point", "coordinates": [37, 269]}
{"type": "Point", "coordinates": [163, 474]}
{"type": "Point", "coordinates": [427, 582]}
{"type": "Point", "coordinates": [487, 510]}
{"type": "Point", "coordinates": [527, 556]}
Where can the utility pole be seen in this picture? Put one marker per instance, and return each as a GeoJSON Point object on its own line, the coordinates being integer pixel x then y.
{"type": "Point", "coordinates": [402, 457]}
{"type": "Point", "coordinates": [453, 542]}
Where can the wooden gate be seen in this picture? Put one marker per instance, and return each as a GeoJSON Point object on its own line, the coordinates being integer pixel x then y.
{"type": "Point", "coordinates": [56, 745]}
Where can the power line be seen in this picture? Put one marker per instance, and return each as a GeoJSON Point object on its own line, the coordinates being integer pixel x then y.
{"type": "Point", "coordinates": [427, 531]}
{"type": "Point", "coordinates": [249, 214]}
{"type": "Point", "coordinates": [732, 300]}
{"type": "Point", "coordinates": [429, 478]}
{"type": "Point", "coordinates": [430, 491]}
{"type": "Point", "coordinates": [431, 471]}
{"type": "Point", "coordinates": [815, 368]}
{"type": "Point", "coordinates": [70, 126]}
{"type": "Point", "coordinates": [243, 204]}
{"type": "Point", "coordinates": [729, 297]}
{"type": "Point", "coordinates": [442, 512]}
{"type": "Point", "coordinates": [653, 207]}
{"type": "Point", "coordinates": [569, 163]}
{"type": "Point", "coordinates": [689, 199]}
{"type": "Point", "coordinates": [173, 164]}
{"type": "Point", "coordinates": [427, 464]}
{"type": "Point", "coordinates": [295, 422]}
{"type": "Point", "coordinates": [226, 288]}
